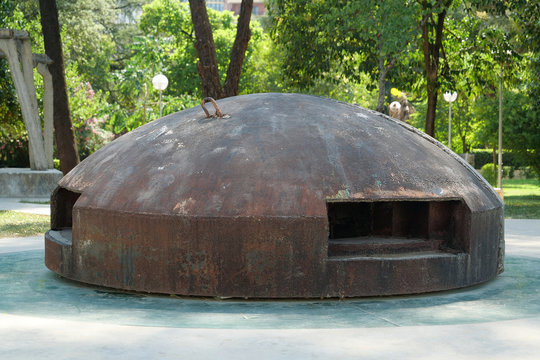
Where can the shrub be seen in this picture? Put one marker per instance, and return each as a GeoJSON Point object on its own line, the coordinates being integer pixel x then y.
{"type": "Point", "coordinates": [508, 172]}
{"type": "Point", "coordinates": [14, 151]}
{"type": "Point", "coordinates": [91, 135]}
{"type": "Point", "coordinates": [485, 156]}
{"type": "Point", "coordinates": [57, 164]}
{"type": "Point", "coordinates": [488, 172]}
{"type": "Point", "coordinates": [87, 113]}
{"type": "Point", "coordinates": [530, 173]}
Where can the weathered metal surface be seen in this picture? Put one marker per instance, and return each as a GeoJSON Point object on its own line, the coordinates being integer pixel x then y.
{"type": "Point", "coordinates": [264, 203]}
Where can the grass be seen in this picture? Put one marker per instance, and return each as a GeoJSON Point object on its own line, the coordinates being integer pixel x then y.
{"type": "Point", "coordinates": [521, 199]}
{"type": "Point", "coordinates": [16, 224]}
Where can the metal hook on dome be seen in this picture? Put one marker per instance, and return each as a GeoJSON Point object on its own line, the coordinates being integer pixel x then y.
{"type": "Point", "coordinates": [209, 99]}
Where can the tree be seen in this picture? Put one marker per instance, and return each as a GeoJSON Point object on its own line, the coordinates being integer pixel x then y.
{"type": "Point", "coordinates": [521, 126]}
{"type": "Point", "coordinates": [206, 50]}
{"type": "Point", "coordinates": [433, 15]}
{"type": "Point", "coordinates": [516, 30]}
{"type": "Point", "coordinates": [238, 52]}
{"type": "Point", "coordinates": [353, 36]}
{"type": "Point", "coordinates": [166, 44]}
{"type": "Point", "coordinates": [87, 27]}
{"type": "Point", "coordinates": [65, 139]}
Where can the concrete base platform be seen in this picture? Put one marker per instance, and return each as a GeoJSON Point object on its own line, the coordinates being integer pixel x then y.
{"type": "Point", "coordinates": [45, 316]}
{"type": "Point", "coordinates": [22, 182]}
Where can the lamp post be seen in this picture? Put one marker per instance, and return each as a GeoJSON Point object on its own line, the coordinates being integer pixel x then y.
{"type": "Point", "coordinates": [160, 83]}
{"type": "Point", "coordinates": [450, 97]}
{"type": "Point", "coordinates": [499, 169]}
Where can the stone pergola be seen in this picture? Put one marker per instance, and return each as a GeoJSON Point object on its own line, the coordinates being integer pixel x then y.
{"type": "Point", "coordinates": [15, 46]}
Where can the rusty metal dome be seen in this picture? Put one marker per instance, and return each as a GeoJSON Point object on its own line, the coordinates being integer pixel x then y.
{"type": "Point", "coordinates": [286, 195]}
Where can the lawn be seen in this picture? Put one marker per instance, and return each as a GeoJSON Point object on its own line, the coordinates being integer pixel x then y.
{"type": "Point", "coordinates": [17, 224]}
{"type": "Point", "coordinates": [521, 199]}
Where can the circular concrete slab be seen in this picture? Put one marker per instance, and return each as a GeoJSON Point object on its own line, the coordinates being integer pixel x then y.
{"type": "Point", "coordinates": [28, 288]}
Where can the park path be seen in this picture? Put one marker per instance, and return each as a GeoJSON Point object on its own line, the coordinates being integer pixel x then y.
{"type": "Point", "coordinates": [27, 206]}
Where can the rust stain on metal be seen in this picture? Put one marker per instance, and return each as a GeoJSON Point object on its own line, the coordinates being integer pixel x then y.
{"type": "Point", "coordinates": [292, 196]}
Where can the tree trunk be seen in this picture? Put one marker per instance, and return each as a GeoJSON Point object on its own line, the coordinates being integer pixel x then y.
{"type": "Point", "coordinates": [431, 52]}
{"type": "Point", "coordinates": [238, 52]}
{"type": "Point", "coordinates": [206, 51]}
{"type": "Point", "coordinates": [495, 163]}
{"type": "Point", "coordinates": [65, 138]}
{"type": "Point", "coordinates": [432, 93]}
{"type": "Point", "coordinates": [382, 87]}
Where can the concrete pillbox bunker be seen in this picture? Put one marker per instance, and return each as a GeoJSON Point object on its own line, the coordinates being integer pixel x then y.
{"type": "Point", "coordinates": [286, 196]}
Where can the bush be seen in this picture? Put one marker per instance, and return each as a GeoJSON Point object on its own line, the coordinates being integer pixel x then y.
{"type": "Point", "coordinates": [88, 115]}
{"type": "Point", "coordinates": [482, 157]}
{"type": "Point", "coordinates": [508, 172]}
{"type": "Point", "coordinates": [14, 151]}
{"type": "Point", "coordinates": [485, 156]}
{"type": "Point", "coordinates": [488, 172]}
{"type": "Point", "coordinates": [530, 173]}
{"type": "Point", "coordinates": [91, 135]}
{"type": "Point", "coordinates": [57, 164]}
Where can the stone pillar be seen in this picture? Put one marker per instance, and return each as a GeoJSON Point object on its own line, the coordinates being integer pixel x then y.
{"type": "Point", "coordinates": [48, 125]}
{"type": "Point", "coordinates": [15, 45]}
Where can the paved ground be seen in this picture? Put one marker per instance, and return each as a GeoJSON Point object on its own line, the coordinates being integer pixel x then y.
{"type": "Point", "coordinates": [31, 206]}
{"type": "Point", "coordinates": [45, 317]}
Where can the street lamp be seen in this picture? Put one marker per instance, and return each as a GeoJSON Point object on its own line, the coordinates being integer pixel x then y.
{"type": "Point", "coordinates": [499, 168]}
{"type": "Point", "coordinates": [450, 97]}
{"type": "Point", "coordinates": [160, 83]}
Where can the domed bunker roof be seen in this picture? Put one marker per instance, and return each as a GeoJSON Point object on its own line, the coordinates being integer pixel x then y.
{"type": "Point", "coordinates": [286, 195]}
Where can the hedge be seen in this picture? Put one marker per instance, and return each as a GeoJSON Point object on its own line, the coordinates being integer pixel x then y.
{"type": "Point", "coordinates": [485, 156]}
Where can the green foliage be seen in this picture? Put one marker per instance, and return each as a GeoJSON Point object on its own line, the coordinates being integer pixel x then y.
{"type": "Point", "coordinates": [335, 86]}
{"type": "Point", "coordinates": [485, 156]}
{"type": "Point", "coordinates": [521, 126]}
{"type": "Point", "coordinates": [262, 70]}
{"type": "Point", "coordinates": [352, 38]}
{"type": "Point", "coordinates": [88, 114]}
{"type": "Point", "coordinates": [166, 44]}
{"type": "Point", "coordinates": [13, 135]}
{"type": "Point", "coordinates": [330, 48]}
{"type": "Point", "coordinates": [15, 15]}
{"type": "Point", "coordinates": [489, 171]}
{"type": "Point", "coordinates": [14, 150]}
{"type": "Point", "coordinates": [87, 38]}
{"type": "Point", "coordinates": [178, 103]}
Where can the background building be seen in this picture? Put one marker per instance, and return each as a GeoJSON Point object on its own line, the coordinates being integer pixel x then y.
{"type": "Point", "coordinates": [219, 5]}
{"type": "Point", "coordinates": [234, 6]}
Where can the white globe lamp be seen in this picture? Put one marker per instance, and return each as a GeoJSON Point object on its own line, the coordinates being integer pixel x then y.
{"type": "Point", "coordinates": [160, 83]}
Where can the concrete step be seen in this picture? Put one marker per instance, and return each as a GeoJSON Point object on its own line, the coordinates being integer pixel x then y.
{"type": "Point", "coordinates": [370, 246]}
